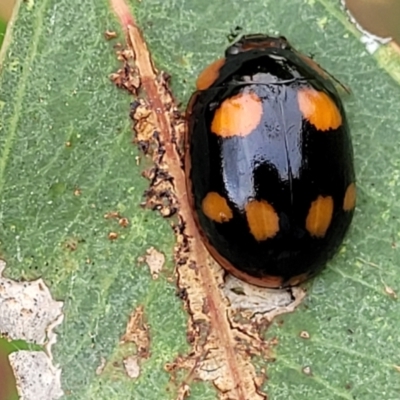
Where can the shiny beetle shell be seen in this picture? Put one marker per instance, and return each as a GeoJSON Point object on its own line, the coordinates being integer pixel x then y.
{"type": "Point", "coordinates": [269, 163]}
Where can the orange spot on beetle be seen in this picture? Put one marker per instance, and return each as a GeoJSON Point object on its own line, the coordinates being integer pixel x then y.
{"type": "Point", "coordinates": [216, 208]}
{"type": "Point", "coordinates": [209, 74]}
{"type": "Point", "coordinates": [237, 115]}
{"type": "Point", "coordinates": [349, 201]}
{"type": "Point", "coordinates": [262, 219]}
{"type": "Point", "coordinates": [319, 109]}
{"type": "Point", "coordinates": [319, 216]}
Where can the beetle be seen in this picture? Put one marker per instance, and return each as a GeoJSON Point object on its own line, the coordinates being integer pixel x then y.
{"type": "Point", "coordinates": [269, 162]}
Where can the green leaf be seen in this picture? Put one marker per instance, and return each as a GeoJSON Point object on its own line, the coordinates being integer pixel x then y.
{"type": "Point", "coordinates": [66, 160]}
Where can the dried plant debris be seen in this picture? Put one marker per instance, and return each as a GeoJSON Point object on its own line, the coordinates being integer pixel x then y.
{"type": "Point", "coordinates": [28, 312]}
{"type": "Point", "coordinates": [225, 314]}
{"type": "Point", "coordinates": [36, 377]}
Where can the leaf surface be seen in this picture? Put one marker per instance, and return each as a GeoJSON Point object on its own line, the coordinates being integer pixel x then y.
{"type": "Point", "coordinates": [66, 160]}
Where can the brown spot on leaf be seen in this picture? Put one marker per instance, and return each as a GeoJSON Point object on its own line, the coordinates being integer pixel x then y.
{"type": "Point", "coordinates": [112, 215]}
{"type": "Point", "coordinates": [110, 35]}
{"type": "Point", "coordinates": [124, 222]}
{"type": "Point", "coordinates": [112, 236]}
{"type": "Point", "coordinates": [137, 332]}
{"type": "Point", "coordinates": [71, 243]}
{"type": "Point", "coordinates": [133, 349]}
{"type": "Point", "coordinates": [307, 370]}
{"type": "Point", "coordinates": [304, 335]}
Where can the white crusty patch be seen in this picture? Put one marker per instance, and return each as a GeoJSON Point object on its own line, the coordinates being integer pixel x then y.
{"type": "Point", "coordinates": [132, 367]}
{"type": "Point", "coordinates": [155, 260]}
{"type": "Point", "coordinates": [28, 312]}
{"type": "Point", "coordinates": [36, 377]}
